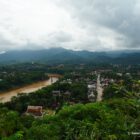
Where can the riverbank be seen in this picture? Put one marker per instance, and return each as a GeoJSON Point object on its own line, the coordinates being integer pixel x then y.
{"type": "Point", "coordinates": [6, 96]}
{"type": "Point", "coordinates": [21, 86]}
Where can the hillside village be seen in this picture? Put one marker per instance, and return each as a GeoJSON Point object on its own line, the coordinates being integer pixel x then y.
{"type": "Point", "coordinates": [98, 91]}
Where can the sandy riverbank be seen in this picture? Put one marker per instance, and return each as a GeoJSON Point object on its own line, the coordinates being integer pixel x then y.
{"type": "Point", "coordinates": [6, 96]}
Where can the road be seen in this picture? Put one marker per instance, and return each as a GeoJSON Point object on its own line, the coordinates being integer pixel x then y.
{"type": "Point", "coordinates": [99, 89]}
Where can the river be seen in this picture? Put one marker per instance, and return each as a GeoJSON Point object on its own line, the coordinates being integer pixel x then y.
{"type": "Point", "coordinates": [6, 96]}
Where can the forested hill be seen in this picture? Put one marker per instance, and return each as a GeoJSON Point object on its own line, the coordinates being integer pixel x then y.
{"type": "Point", "coordinates": [60, 55]}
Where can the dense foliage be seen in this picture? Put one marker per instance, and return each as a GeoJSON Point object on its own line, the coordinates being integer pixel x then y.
{"type": "Point", "coordinates": [117, 117]}
{"type": "Point", "coordinates": [108, 120]}
{"type": "Point", "coordinates": [45, 98]}
{"type": "Point", "coordinates": [14, 76]}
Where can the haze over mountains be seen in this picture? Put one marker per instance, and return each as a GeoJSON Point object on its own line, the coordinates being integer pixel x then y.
{"type": "Point", "coordinates": [61, 55]}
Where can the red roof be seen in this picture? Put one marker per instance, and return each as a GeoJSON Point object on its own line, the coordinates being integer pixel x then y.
{"type": "Point", "coordinates": [34, 110]}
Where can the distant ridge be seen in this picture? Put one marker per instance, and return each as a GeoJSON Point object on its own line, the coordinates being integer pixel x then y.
{"type": "Point", "coordinates": [61, 55]}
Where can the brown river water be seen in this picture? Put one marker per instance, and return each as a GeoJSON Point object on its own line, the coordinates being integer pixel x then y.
{"type": "Point", "coordinates": [6, 96]}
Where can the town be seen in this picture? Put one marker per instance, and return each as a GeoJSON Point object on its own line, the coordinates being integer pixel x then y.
{"type": "Point", "coordinates": [77, 84]}
{"type": "Point", "coordinates": [60, 95]}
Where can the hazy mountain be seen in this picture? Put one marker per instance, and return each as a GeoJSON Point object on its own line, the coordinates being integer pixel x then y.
{"type": "Point", "coordinates": [60, 55]}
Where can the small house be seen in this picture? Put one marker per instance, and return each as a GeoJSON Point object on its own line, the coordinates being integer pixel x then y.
{"type": "Point", "coordinates": [56, 93]}
{"type": "Point", "coordinates": [35, 111]}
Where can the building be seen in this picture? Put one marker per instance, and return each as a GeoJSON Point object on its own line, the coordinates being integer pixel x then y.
{"type": "Point", "coordinates": [35, 111]}
{"type": "Point", "coordinates": [92, 86]}
{"type": "Point", "coordinates": [56, 93]}
{"type": "Point", "coordinates": [91, 96]}
{"type": "Point", "coordinates": [66, 95]}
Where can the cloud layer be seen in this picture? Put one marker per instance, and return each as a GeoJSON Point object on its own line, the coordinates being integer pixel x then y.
{"type": "Point", "coordinates": [95, 25]}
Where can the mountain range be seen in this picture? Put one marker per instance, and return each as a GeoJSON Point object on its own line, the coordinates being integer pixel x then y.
{"type": "Point", "coordinates": [61, 55]}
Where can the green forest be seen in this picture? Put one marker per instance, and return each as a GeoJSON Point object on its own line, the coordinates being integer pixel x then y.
{"type": "Point", "coordinates": [74, 117]}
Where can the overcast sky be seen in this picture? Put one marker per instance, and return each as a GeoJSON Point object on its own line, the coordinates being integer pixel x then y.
{"type": "Point", "coordinates": [95, 25]}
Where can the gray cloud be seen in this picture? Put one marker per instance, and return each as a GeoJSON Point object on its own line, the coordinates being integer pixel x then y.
{"type": "Point", "coordinates": [6, 44]}
{"type": "Point", "coordinates": [121, 17]}
{"type": "Point", "coordinates": [74, 24]}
